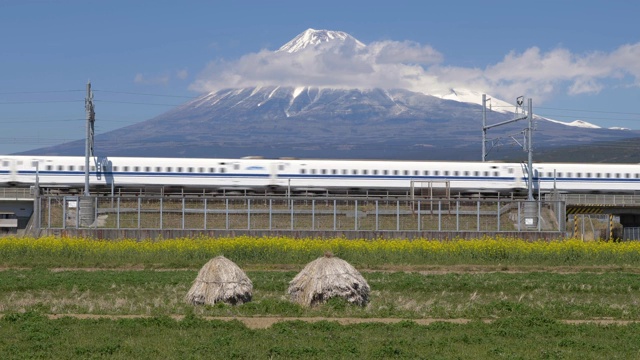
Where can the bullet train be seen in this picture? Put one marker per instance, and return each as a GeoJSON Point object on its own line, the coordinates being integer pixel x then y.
{"type": "Point", "coordinates": [259, 175]}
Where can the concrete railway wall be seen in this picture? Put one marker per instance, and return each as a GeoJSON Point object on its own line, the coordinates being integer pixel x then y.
{"type": "Point", "coordinates": [142, 234]}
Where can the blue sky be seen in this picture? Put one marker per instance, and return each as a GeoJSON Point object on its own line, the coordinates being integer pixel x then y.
{"type": "Point", "coordinates": [575, 59]}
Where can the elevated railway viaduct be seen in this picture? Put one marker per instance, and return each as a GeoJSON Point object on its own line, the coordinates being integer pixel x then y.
{"type": "Point", "coordinates": [19, 205]}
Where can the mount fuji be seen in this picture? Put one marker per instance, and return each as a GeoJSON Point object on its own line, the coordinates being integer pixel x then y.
{"type": "Point", "coordinates": [289, 119]}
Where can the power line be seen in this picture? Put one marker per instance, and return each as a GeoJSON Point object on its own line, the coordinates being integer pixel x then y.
{"type": "Point", "coordinates": [145, 94]}
{"type": "Point", "coordinates": [39, 102]}
{"type": "Point", "coordinates": [134, 103]}
{"type": "Point", "coordinates": [37, 92]}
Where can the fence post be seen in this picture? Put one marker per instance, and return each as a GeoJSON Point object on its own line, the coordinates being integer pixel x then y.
{"type": "Point", "coordinates": [139, 203]}
{"type": "Point", "coordinates": [49, 212]}
{"type": "Point", "coordinates": [334, 214]}
{"type": "Point", "coordinates": [439, 215]}
{"type": "Point", "coordinates": [498, 212]}
{"type": "Point", "coordinates": [478, 215]}
{"type": "Point", "coordinates": [270, 212]}
{"type": "Point", "coordinates": [64, 212]}
{"type": "Point", "coordinates": [419, 218]}
{"type": "Point", "coordinates": [457, 215]}
{"type": "Point", "coordinates": [205, 214]}
{"type": "Point", "coordinates": [226, 214]}
{"type": "Point", "coordinates": [356, 215]}
{"type": "Point", "coordinates": [377, 217]}
{"type": "Point", "coordinates": [397, 215]}
{"type": "Point", "coordinates": [313, 214]}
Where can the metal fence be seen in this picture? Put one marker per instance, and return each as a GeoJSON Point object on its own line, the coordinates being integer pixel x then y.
{"type": "Point", "coordinates": [292, 213]}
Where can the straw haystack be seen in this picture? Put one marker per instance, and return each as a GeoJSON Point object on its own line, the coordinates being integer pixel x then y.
{"type": "Point", "coordinates": [220, 279]}
{"type": "Point", "coordinates": [328, 277]}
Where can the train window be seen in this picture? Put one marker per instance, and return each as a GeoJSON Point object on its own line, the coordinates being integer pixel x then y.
{"type": "Point", "coordinates": [126, 168]}
{"type": "Point", "coordinates": [158, 169]}
{"type": "Point", "coordinates": [588, 174]}
{"type": "Point", "coordinates": [436, 172]}
{"type": "Point", "coordinates": [425, 173]}
{"type": "Point", "coordinates": [578, 174]}
{"type": "Point", "coordinates": [496, 174]}
{"type": "Point", "coordinates": [200, 169]}
{"type": "Point", "coordinates": [49, 167]}
{"type": "Point", "coordinates": [354, 172]}
{"type": "Point", "coordinates": [212, 170]}
{"type": "Point", "coordinates": [280, 167]}
{"type": "Point", "coordinates": [637, 176]}
{"type": "Point", "coordinates": [476, 173]}
{"type": "Point", "coordinates": [179, 169]}
{"type": "Point", "coordinates": [93, 168]}
{"type": "Point", "coordinates": [190, 169]}
{"type": "Point", "coordinates": [446, 173]}
{"type": "Point", "coordinates": [72, 168]}
{"type": "Point", "coordinates": [5, 163]}
{"type": "Point", "coordinates": [416, 172]}
{"type": "Point", "coordinates": [33, 163]}
{"type": "Point", "coordinates": [598, 175]}
{"type": "Point", "coordinates": [313, 171]}
{"type": "Point", "coordinates": [385, 172]}
{"type": "Point", "coordinates": [236, 166]}
{"type": "Point", "coordinates": [456, 173]}
{"type": "Point", "coordinates": [617, 175]}
{"type": "Point", "coordinates": [365, 172]}
{"type": "Point", "coordinates": [302, 171]}
{"type": "Point", "coordinates": [324, 171]}
{"type": "Point", "coordinates": [344, 172]}
{"type": "Point", "coordinates": [406, 172]}
{"type": "Point", "coordinates": [486, 173]}
{"type": "Point", "coordinates": [81, 168]}
{"type": "Point", "coordinates": [147, 168]}
{"type": "Point", "coordinates": [60, 167]}
{"type": "Point", "coordinates": [510, 170]}
{"type": "Point", "coordinates": [374, 172]}
{"type": "Point", "coordinates": [627, 175]}
{"type": "Point", "coordinates": [334, 171]}
{"type": "Point", "coordinates": [549, 174]}
{"type": "Point", "coordinates": [559, 174]}
{"type": "Point", "coordinates": [223, 170]}
{"type": "Point", "coordinates": [607, 175]}
{"type": "Point", "coordinates": [136, 168]}
{"type": "Point", "coordinates": [466, 173]}
{"type": "Point", "coordinates": [169, 169]}
{"type": "Point", "coordinates": [569, 174]}
{"type": "Point", "coordinates": [395, 172]}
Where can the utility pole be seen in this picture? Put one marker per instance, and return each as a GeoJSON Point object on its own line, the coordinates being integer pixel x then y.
{"type": "Point", "coordinates": [530, 151]}
{"type": "Point", "coordinates": [484, 127]}
{"type": "Point", "coordinates": [88, 150]}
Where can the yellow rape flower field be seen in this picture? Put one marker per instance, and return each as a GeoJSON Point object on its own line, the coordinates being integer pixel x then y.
{"type": "Point", "coordinates": [188, 252]}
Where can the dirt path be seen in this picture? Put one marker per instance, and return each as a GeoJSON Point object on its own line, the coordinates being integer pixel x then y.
{"type": "Point", "coordinates": [268, 321]}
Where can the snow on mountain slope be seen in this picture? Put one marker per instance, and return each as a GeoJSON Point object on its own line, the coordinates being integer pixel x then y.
{"type": "Point", "coordinates": [312, 37]}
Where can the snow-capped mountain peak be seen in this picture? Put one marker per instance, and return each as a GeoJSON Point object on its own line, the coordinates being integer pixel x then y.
{"type": "Point", "coordinates": [312, 37]}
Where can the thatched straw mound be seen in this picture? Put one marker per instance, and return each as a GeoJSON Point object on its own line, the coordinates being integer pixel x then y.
{"type": "Point", "coordinates": [220, 280]}
{"type": "Point", "coordinates": [328, 277]}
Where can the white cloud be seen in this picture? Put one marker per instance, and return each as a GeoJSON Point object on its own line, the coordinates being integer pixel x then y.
{"type": "Point", "coordinates": [412, 66]}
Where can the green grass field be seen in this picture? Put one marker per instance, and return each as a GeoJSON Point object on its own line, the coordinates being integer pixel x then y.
{"type": "Point", "coordinates": [61, 300]}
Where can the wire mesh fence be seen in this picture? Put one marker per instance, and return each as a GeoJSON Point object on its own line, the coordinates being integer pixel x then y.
{"type": "Point", "coordinates": [308, 213]}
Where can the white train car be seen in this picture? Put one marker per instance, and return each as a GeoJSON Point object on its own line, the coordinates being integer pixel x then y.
{"type": "Point", "coordinates": [314, 175]}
